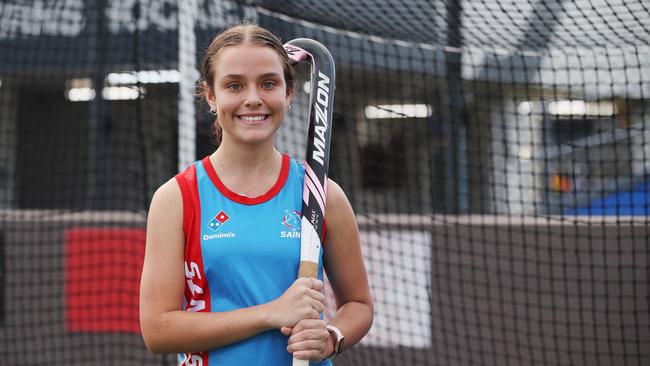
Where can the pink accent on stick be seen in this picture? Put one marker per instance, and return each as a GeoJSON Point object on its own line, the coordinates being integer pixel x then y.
{"type": "Point", "coordinates": [305, 194]}
{"type": "Point", "coordinates": [317, 183]}
{"type": "Point", "coordinates": [316, 194]}
{"type": "Point", "coordinates": [296, 54]}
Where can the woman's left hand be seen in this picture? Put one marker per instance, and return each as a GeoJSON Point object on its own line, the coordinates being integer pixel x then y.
{"type": "Point", "coordinates": [309, 340]}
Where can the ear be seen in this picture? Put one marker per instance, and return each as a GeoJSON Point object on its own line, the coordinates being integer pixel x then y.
{"type": "Point", "coordinates": [209, 95]}
{"type": "Point", "coordinates": [290, 94]}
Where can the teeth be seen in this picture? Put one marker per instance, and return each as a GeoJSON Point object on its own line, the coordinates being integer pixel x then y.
{"type": "Point", "coordinates": [253, 118]}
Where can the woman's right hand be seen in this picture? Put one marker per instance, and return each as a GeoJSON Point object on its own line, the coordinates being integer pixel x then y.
{"type": "Point", "coordinates": [298, 302]}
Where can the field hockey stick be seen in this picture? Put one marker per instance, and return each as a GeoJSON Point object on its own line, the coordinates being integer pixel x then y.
{"type": "Point", "coordinates": [321, 100]}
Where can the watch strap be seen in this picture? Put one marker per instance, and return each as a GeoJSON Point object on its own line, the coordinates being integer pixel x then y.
{"type": "Point", "coordinates": [338, 349]}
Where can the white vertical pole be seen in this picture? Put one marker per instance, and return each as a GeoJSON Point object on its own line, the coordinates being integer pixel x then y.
{"type": "Point", "coordinates": [187, 13]}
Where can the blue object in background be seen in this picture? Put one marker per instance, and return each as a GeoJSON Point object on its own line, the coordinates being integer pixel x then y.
{"type": "Point", "coordinates": [630, 203]}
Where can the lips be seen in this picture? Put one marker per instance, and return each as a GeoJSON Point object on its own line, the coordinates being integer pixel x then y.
{"type": "Point", "coordinates": [254, 118]}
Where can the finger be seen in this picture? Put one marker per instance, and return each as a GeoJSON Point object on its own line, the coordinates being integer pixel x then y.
{"type": "Point", "coordinates": [305, 281]}
{"type": "Point", "coordinates": [311, 309]}
{"type": "Point", "coordinates": [308, 349]}
{"type": "Point", "coordinates": [307, 340]}
{"type": "Point", "coordinates": [309, 324]}
{"type": "Point", "coordinates": [308, 335]}
{"type": "Point", "coordinates": [317, 295]}
{"type": "Point", "coordinates": [314, 314]}
{"type": "Point", "coordinates": [318, 306]}
{"type": "Point", "coordinates": [308, 310]}
{"type": "Point", "coordinates": [298, 337]}
{"type": "Point", "coordinates": [300, 326]}
{"type": "Point", "coordinates": [318, 285]}
{"type": "Point", "coordinates": [310, 329]}
{"type": "Point", "coordinates": [286, 331]}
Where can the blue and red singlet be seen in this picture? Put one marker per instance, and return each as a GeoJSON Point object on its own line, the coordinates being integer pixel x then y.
{"type": "Point", "coordinates": [240, 252]}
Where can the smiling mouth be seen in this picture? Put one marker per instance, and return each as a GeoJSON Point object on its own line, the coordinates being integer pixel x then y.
{"type": "Point", "coordinates": [255, 118]}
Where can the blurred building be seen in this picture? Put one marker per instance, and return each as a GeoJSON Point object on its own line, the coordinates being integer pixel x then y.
{"type": "Point", "coordinates": [453, 108]}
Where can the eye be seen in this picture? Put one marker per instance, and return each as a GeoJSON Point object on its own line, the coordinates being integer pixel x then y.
{"type": "Point", "coordinates": [234, 86]}
{"type": "Point", "coordinates": [268, 84]}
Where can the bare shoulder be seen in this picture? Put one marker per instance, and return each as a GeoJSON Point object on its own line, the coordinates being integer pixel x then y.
{"type": "Point", "coordinates": [336, 198]}
{"type": "Point", "coordinates": [165, 237]}
{"type": "Point", "coordinates": [167, 191]}
{"type": "Point", "coordinates": [167, 194]}
{"type": "Point", "coordinates": [339, 215]}
{"type": "Point", "coordinates": [166, 204]}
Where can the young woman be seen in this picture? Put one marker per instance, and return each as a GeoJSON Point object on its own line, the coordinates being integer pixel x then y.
{"type": "Point", "coordinates": [219, 278]}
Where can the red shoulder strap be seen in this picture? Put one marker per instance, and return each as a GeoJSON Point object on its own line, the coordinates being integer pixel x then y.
{"type": "Point", "coordinates": [189, 191]}
{"type": "Point", "coordinates": [197, 292]}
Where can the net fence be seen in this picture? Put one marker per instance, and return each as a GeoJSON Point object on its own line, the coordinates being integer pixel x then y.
{"type": "Point", "coordinates": [497, 154]}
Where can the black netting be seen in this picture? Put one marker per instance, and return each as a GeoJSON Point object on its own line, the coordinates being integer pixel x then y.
{"type": "Point", "coordinates": [497, 154]}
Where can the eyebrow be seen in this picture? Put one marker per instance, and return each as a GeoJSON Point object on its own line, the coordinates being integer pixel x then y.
{"type": "Point", "coordinates": [239, 76]}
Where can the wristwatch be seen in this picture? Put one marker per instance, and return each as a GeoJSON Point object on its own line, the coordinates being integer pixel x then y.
{"type": "Point", "coordinates": [338, 343]}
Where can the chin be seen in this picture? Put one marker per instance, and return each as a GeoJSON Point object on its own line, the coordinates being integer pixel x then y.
{"type": "Point", "coordinates": [255, 137]}
{"type": "Point", "coordinates": [252, 135]}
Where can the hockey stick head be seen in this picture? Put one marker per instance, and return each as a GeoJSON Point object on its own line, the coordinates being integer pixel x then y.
{"type": "Point", "coordinates": [321, 99]}
{"type": "Point", "coordinates": [300, 49]}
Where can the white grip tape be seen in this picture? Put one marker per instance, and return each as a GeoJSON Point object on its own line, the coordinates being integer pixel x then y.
{"type": "Point", "coordinates": [297, 362]}
{"type": "Point", "coordinates": [309, 242]}
{"type": "Point", "coordinates": [309, 251]}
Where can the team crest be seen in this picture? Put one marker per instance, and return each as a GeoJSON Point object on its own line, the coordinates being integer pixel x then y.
{"type": "Point", "coordinates": [291, 220]}
{"type": "Point", "coordinates": [217, 222]}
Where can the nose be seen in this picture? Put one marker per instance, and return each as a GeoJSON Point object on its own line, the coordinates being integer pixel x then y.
{"type": "Point", "coordinates": [252, 99]}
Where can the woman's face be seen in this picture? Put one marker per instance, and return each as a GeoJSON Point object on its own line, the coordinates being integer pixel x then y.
{"type": "Point", "coordinates": [249, 93]}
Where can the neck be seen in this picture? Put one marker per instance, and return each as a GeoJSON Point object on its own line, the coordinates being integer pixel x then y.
{"type": "Point", "coordinates": [240, 158]}
{"type": "Point", "coordinates": [247, 171]}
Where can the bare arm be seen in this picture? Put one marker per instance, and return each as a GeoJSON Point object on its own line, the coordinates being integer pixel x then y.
{"type": "Point", "coordinates": [345, 268]}
{"type": "Point", "coordinates": [165, 327]}
{"type": "Point", "coordinates": [347, 274]}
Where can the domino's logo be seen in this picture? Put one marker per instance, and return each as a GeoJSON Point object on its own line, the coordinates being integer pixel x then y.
{"type": "Point", "coordinates": [217, 222]}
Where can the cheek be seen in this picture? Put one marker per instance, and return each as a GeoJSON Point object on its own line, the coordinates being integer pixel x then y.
{"type": "Point", "coordinates": [280, 101]}
{"type": "Point", "coordinates": [280, 107]}
{"type": "Point", "coordinates": [225, 105]}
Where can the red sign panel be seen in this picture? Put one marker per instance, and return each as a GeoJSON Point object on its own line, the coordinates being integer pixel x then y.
{"type": "Point", "coordinates": [102, 279]}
